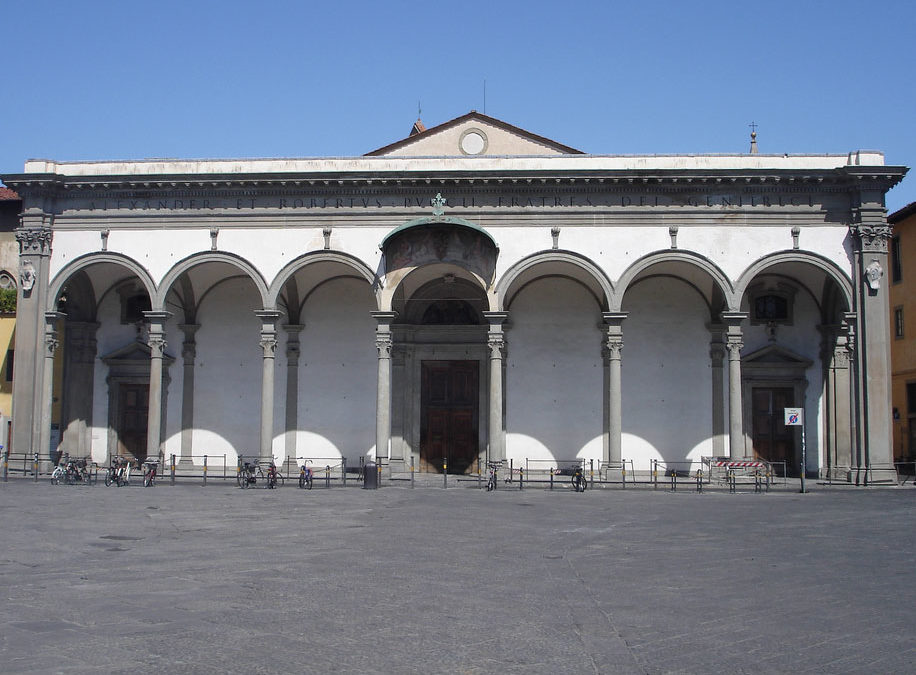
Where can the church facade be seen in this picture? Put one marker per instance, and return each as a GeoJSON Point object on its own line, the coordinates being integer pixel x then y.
{"type": "Point", "coordinates": [471, 292]}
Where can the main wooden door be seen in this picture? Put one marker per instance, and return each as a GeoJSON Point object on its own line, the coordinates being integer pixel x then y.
{"type": "Point", "coordinates": [133, 415]}
{"type": "Point", "coordinates": [449, 415]}
{"type": "Point", "coordinates": [773, 440]}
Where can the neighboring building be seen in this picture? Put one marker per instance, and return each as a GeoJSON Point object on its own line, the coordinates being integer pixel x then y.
{"type": "Point", "coordinates": [903, 331]}
{"type": "Point", "coordinates": [10, 206]}
{"type": "Point", "coordinates": [473, 291]}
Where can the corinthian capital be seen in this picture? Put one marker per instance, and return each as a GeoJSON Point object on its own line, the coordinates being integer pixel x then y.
{"type": "Point", "coordinates": [872, 236]}
{"type": "Point", "coordinates": [34, 240]}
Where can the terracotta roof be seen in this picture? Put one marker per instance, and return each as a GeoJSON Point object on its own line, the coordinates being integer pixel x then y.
{"type": "Point", "coordinates": [6, 193]}
{"type": "Point", "coordinates": [900, 214]}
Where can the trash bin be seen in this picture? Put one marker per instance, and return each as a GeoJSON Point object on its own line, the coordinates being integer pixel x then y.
{"type": "Point", "coordinates": [370, 479]}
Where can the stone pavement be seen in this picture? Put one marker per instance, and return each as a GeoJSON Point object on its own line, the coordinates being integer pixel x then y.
{"type": "Point", "coordinates": [215, 579]}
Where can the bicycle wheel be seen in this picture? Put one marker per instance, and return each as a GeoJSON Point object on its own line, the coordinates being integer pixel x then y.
{"type": "Point", "coordinates": [55, 476]}
{"type": "Point", "coordinates": [245, 481]}
{"type": "Point", "coordinates": [491, 484]}
{"type": "Point", "coordinates": [308, 482]}
{"type": "Point", "coordinates": [147, 479]}
{"type": "Point", "coordinates": [302, 481]}
{"type": "Point", "coordinates": [281, 479]}
{"type": "Point", "coordinates": [109, 477]}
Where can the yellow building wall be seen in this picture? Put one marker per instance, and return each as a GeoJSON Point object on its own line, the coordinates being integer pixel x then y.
{"type": "Point", "coordinates": [7, 342]}
{"type": "Point", "coordinates": [902, 295]}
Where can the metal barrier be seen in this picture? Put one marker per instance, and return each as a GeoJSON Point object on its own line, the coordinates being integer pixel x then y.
{"type": "Point", "coordinates": [903, 475]}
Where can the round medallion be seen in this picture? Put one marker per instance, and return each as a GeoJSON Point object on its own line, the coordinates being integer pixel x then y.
{"type": "Point", "coordinates": [473, 142]}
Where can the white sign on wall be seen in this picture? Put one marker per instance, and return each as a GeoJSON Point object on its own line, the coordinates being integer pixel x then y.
{"type": "Point", "coordinates": [795, 417]}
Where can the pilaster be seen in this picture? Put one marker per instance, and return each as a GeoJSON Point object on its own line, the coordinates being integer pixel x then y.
{"type": "Point", "coordinates": [613, 346]}
{"type": "Point", "coordinates": [157, 345]}
{"type": "Point", "coordinates": [189, 356]}
{"type": "Point", "coordinates": [383, 343]}
{"type": "Point", "coordinates": [733, 344]}
{"type": "Point", "coordinates": [268, 342]}
{"type": "Point", "coordinates": [292, 386]}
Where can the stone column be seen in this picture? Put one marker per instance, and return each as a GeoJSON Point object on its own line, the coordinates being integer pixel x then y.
{"type": "Point", "coordinates": [189, 354]}
{"type": "Point", "coordinates": [383, 343]}
{"type": "Point", "coordinates": [870, 235]}
{"type": "Point", "coordinates": [614, 395]}
{"type": "Point", "coordinates": [269, 349]}
{"type": "Point", "coordinates": [78, 387]}
{"type": "Point", "coordinates": [733, 343]}
{"type": "Point", "coordinates": [496, 343]}
{"type": "Point", "coordinates": [840, 424]}
{"type": "Point", "coordinates": [292, 387]}
{"type": "Point", "coordinates": [717, 361]}
{"type": "Point", "coordinates": [157, 346]}
{"type": "Point", "coordinates": [34, 237]}
{"type": "Point", "coordinates": [51, 344]}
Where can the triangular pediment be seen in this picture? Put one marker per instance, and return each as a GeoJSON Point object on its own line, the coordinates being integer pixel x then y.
{"type": "Point", "coordinates": [475, 135]}
{"type": "Point", "coordinates": [131, 353]}
{"type": "Point", "coordinates": [775, 355]}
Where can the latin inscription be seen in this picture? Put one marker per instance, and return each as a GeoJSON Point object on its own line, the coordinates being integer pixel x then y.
{"type": "Point", "coordinates": [514, 201]}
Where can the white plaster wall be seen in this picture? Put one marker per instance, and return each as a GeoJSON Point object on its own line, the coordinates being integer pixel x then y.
{"type": "Point", "coordinates": [227, 372]}
{"type": "Point", "coordinates": [337, 373]}
{"type": "Point", "coordinates": [69, 245]}
{"type": "Point", "coordinates": [554, 374]}
{"type": "Point", "coordinates": [666, 375]}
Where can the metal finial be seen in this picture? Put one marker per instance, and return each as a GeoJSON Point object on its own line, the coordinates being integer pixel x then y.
{"type": "Point", "coordinates": [438, 203]}
{"type": "Point", "coordinates": [753, 126]}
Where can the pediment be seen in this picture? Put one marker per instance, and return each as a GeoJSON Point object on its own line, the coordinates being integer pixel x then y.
{"type": "Point", "coordinates": [475, 135]}
{"type": "Point", "coordinates": [774, 355]}
{"type": "Point", "coordinates": [133, 352]}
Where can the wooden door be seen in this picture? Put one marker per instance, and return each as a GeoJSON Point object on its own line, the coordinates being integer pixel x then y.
{"type": "Point", "coordinates": [449, 413]}
{"type": "Point", "coordinates": [773, 440]}
{"type": "Point", "coordinates": [133, 415]}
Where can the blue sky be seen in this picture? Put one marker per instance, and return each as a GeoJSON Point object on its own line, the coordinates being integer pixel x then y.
{"type": "Point", "coordinates": [123, 80]}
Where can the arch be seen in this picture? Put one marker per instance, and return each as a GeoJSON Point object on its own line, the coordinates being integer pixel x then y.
{"type": "Point", "coordinates": [198, 259]}
{"type": "Point", "coordinates": [290, 269]}
{"type": "Point", "coordinates": [437, 220]}
{"type": "Point", "coordinates": [524, 271]}
{"type": "Point", "coordinates": [843, 282]}
{"type": "Point", "coordinates": [638, 269]}
{"type": "Point", "coordinates": [90, 259]}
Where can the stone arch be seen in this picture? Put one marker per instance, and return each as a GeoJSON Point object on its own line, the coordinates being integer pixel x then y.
{"type": "Point", "coordinates": [767, 263]}
{"type": "Point", "coordinates": [555, 263]}
{"type": "Point", "coordinates": [289, 271]}
{"type": "Point", "coordinates": [99, 258]}
{"type": "Point", "coordinates": [198, 259]}
{"type": "Point", "coordinates": [692, 268]}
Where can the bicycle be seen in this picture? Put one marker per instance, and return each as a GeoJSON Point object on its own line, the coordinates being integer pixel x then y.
{"type": "Point", "coordinates": [150, 471]}
{"type": "Point", "coordinates": [579, 483]}
{"type": "Point", "coordinates": [492, 475]}
{"type": "Point", "coordinates": [274, 477]}
{"type": "Point", "coordinates": [60, 471]}
{"type": "Point", "coordinates": [118, 473]}
{"type": "Point", "coordinates": [305, 476]}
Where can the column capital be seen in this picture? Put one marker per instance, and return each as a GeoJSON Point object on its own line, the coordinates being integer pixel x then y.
{"type": "Point", "coordinates": [495, 319]}
{"type": "Point", "coordinates": [189, 330]}
{"type": "Point", "coordinates": [733, 320]}
{"type": "Point", "coordinates": [293, 329]}
{"type": "Point", "coordinates": [157, 320]}
{"type": "Point", "coordinates": [34, 240]}
{"type": "Point", "coordinates": [384, 319]}
{"type": "Point", "coordinates": [614, 319]}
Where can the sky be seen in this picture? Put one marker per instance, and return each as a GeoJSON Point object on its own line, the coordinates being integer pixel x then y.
{"type": "Point", "coordinates": [94, 80]}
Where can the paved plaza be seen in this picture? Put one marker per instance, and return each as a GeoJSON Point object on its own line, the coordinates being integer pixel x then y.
{"type": "Point", "coordinates": [215, 579]}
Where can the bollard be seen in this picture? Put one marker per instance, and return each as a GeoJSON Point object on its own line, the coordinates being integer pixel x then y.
{"type": "Point", "coordinates": [172, 468]}
{"type": "Point", "coordinates": [205, 469]}
{"type": "Point", "coordinates": [35, 467]}
{"type": "Point", "coordinates": [521, 477]}
{"type": "Point", "coordinates": [655, 474]}
{"type": "Point", "coordinates": [343, 471]}
{"type": "Point", "coordinates": [699, 480]}
{"type": "Point", "coordinates": [238, 471]}
{"type": "Point", "coordinates": [623, 476]}
{"type": "Point", "coordinates": [732, 483]}
{"type": "Point", "coordinates": [511, 470]}
{"type": "Point", "coordinates": [551, 478]}
{"type": "Point", "coordinates": [411, 470]}
{"type": "Point", "coordinates": [674, 480]}
{"type": "Point", "coordinates": [591, 473]}
{"type": "Point", "coordinates": [444, 473]}
{"type": "Point", "coordinates": [327, 475]}
{"type": "Point", "coordinates": [6, 465]}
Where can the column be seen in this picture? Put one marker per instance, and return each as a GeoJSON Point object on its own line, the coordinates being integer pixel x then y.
{"type": "Point", "coordinates": [870, 235]}
{"type": "Point", "coordinates": [157, 346]}
{"type": "Point", "coordinates": [733, 343]}
{"type": "Point", "coordinates": [268, 343]}
{"type": "Point", "coordinates": [188, 354]}
{"type": "Point", "coordinates": [614, 396]}
{"type": "Point", "coordinates": [34, 237]}
{"type": "Point", "coordinates": [383, 342]}
{"type": "Point", "coordinates": [51, 344]}
{"type": "Point", "coordinates": [292, 386]}
{"type": "Point", "coordinates": [717, 363]}
{"type": "Point", "coordinates": [496, 343]}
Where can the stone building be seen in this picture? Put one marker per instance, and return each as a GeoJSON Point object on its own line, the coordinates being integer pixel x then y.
{"type": "Point", "coordinates": [472, 291]}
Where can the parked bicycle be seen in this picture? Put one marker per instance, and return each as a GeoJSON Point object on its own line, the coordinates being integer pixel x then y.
{"type": "Point", "coordinates": [119, 472]}
{"type": "Point", "coordinates": [150, 471]}
{"type": "Point", "coordinates": [305, 475]}
{"type": "Point", "coordinates": [579, 482]}
{"type": "Point", "coordinates": [274, 477]}
{"type": "Point", "coordinates": [71, 471]}
{"type": "Point", "coordinates": [492, 475]}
